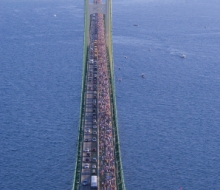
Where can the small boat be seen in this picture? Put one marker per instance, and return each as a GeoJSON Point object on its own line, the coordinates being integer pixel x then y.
{"type": "Point", "coordinates": [183, 55]}
{"type": "Point", "coordinates": [142, 75]}
{"type": "Point", "coordinates": [135, 24]}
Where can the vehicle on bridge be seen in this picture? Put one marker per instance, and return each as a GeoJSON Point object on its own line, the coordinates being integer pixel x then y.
{"type": "Point", "coordinates": [94, 183]}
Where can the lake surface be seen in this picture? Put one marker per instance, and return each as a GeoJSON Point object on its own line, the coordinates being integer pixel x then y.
{"type": "Point", "coordinates": [168, 121]}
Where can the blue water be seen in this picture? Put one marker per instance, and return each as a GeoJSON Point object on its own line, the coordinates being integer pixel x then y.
{"type": "Point", "coordinates": [168, 121]}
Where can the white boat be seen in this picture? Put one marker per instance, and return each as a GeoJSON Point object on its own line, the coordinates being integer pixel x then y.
{"type": "Point", "coordinates": [183, 55]}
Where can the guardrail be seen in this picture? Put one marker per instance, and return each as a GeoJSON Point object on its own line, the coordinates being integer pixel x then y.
{"type": "Point", "coordinates": [77, 170]}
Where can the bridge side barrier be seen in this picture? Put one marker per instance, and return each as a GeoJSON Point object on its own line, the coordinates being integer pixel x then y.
{"type": "Point", "coordinates": [77, 176]}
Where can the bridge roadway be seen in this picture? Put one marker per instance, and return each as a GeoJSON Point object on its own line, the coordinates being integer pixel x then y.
{"type": "Point", "coordinates": [98, 152]}
{"type": "Point", "coordinates": [90, 136]}
{"type": "Point", "coordinates": [97, 114]}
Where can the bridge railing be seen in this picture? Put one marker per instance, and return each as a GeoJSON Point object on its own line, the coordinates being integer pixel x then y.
{"type": "Point", "coordinates": [77, 170]}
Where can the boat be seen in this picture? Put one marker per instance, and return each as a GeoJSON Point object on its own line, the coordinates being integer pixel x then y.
{"type": "Point", "coordinates": [183, 55]}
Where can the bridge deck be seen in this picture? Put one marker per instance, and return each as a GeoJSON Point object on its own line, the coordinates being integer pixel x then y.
{"type": "Point", "coordinates": [98, 140]}
{"type": "Point", "coordinates": [98, 146]}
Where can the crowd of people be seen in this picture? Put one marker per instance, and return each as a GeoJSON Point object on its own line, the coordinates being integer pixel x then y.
{"type": "Point", "coordinates": [106, 144]}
